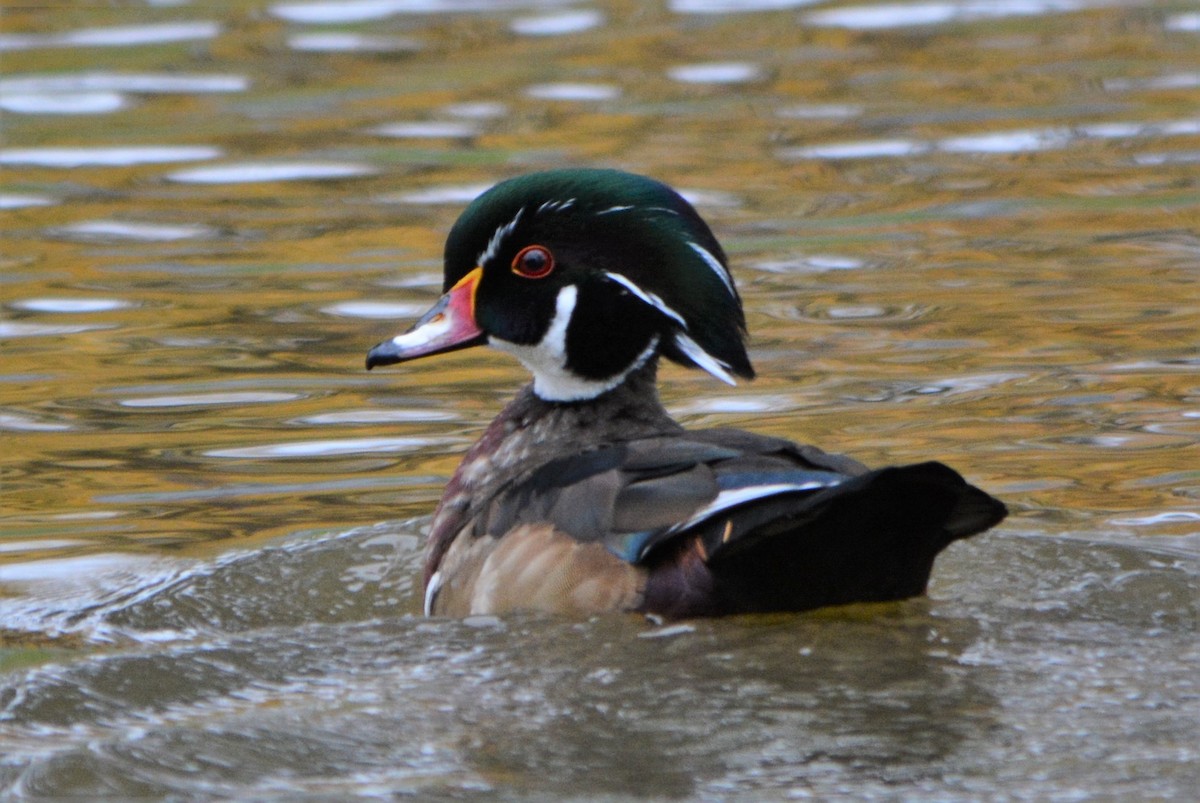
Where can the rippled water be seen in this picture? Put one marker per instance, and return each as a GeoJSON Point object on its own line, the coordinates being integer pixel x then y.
{"type": "Point", "coordinates": [963, 230]}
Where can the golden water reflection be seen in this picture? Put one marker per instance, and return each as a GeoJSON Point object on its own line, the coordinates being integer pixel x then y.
{"type": "Point", "coordinates": [965, 234]}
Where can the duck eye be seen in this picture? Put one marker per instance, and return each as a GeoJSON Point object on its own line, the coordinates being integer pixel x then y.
{"type": "Point", "coordinates": [533, 262]}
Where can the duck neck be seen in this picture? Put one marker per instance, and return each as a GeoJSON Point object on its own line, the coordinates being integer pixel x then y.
{"type": "Point", "coordinates": [530, 430]}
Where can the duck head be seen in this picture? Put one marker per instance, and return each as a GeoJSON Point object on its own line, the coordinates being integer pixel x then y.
{"type": "Point", "coordinates": [584, 275]}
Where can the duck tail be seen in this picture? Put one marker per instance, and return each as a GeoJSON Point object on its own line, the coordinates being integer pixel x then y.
{"type": "Point", "coordinates": [871, 538]}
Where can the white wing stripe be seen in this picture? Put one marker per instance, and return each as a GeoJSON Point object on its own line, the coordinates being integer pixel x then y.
{"type": "Point", "coordinates": [738, 496]}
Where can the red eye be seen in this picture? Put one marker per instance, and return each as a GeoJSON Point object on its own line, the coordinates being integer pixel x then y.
{"type": "Point", "coordinates": [533, 262]}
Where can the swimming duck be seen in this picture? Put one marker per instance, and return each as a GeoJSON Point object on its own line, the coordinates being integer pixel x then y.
{"type": "Point", "coordinates": [584, 496]}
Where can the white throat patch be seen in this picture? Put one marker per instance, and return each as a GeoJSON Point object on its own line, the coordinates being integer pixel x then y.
{"type": "Point", "coordinates": [547, 360]}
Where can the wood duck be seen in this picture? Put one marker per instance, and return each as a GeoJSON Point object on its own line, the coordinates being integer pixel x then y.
{"type": "Point", "coordinates": [584, 496]}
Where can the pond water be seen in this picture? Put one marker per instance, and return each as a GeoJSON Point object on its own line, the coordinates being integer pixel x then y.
{"type": "Point", "coordinates": [963, 230]}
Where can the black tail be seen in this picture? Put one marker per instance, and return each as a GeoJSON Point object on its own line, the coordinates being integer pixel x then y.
{"type": "Point", "coordinates": [872, 538]}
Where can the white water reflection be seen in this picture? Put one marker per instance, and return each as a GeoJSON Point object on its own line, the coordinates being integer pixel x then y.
{"type": "Point", "coordinates": [815, 263]}
{"type": "Point", "coordinates": [741, 403]}
{"type": "Point", "coordinates": [900, 15]}
{"type": "Point", "coordinates": [64, 103]}
{"type": "Point", "coordinates": [10, 200]}
{"type": "Point", "coordinates": [454, 194]}
{"type": "Point", "coordinates": [430, 129]}
{"type": "Point", "coordinates": [374, 416]}
{"type": "Point", "coordinates": [40, 545]}
{"type": "Point", "coordinates": [138, 83]}
{"type": "Point", "coordinates": [16, 422]}
{"type": "Point", "coordinates": [819, 111]}
{"type": "Point", "coordinates": [29, 329]}
{"type": "Point", "coordinates": [332, 12]}
{"type": "Point", "coordinates": [1184, 22]}
{"type": "Point", "coordinates": [476, 110]}
{"type": "Point", "coordinates": [859, 149]}
{"type": "Point", "coordinates": [716, 72]}
{"type": "Point", "coordinates": [999, 142]}
{"type": "Point", "coordinates": [331, 448]}
{"type": "Point", "coordinates": [1173, 158]}
{"type": "Point", "coordinates": [70, 305]}
{"type": "Point", "coordinates": [71, 571]}
{"type": "Point", "coordinates": [101, 156]}
{"type": "Point", "coordinates": [1166, 517]}
{"type": "Point", "coordinates": [558, 24]}
{"type": "Point", "coordinates": [136, 231]}
{"type": "Point", "coordinates": [350, 42]}
{"type": "Point", "coordinates": [211, 399]}
{"type": "Point", "coordinates": [254, 172]}
{"type": "Point", "coordinates": [1187, 80]}
{"type": "Point", "coordinates": [733, 6]}
{"type": "Point", "coordinates": [1007, 142]}
{"type": "Point", "coordinates": [574, 92]}
{"type": "Point", "coordinates": [119, 36]}
{"type": "Point", "coordinates": [382, 310]}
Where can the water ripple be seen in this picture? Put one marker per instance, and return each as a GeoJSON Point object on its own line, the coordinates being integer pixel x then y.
{"type": "Point", "coordinates": [350, 42]}
{"type": "Point", "coordinates": [815, 263]}
{"type": "Point", "coordinates": [997, 142]}
{"type": "Point", "coordinates": [260, 172]}
{"type": "Point", "coordinates": [430, 129]}
{"type": "Point", "coordinates": [102, 156]}
{"type": "Point", "coordinates": [119, 36]}
{"type": "Point", "coordinates": [449, 194]}
{"type": "Point", "coordinates": [70, 305]}
{"type": "Point", "coordinates": [27, 329]}
{"type": "Point", "coordinates": [574, 92]}
{"type": "Point", "coordinates": [332, 448]}
{"type": "Point", "coordinates": [902, 15]}
{"type": "Point", "coordinates": [1184, 22]}
{"type": "Point", "coordinates": [383, 310]}
{"type": "Point", "coordinates": [733, 6]}
{"type": "Point", "coordinates": [333, 12]}
{"type": "Point", "coordinates": [210, 399]}
{"type": "Point", "coordinates": [558, 24]}
{"type": "Point", "coordinates": [476, 110]}
{"type": "Point", "coordinates": [715, 72]}
{"type": "Point", "coordinates": [64, 103]}
{"type": "Point", "coordinates": [137, 83]}
{"type": "Point", "coordinates": [15, 422]}
{"type": "Point", "coordinates": [390, 416]}
{"type": "Point", "coordinates": [107, 230]}
{"type": "Point", "coordinates": [21, 201]}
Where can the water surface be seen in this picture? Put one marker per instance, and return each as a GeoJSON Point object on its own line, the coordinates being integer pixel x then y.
{"type": "Point", "coordinates": [963, 231]}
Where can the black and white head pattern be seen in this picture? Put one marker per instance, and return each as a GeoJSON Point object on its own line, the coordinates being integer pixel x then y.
{"type": "Point", "coordinates": [588, 274]}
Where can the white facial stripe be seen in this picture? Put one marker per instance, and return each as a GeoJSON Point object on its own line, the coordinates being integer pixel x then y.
{"type": "Point", "coordinates": [703, 359]}
{"type": "Point", "coordinates": [715, 264]}
{"type": "Point", "coordinates": [547, 360]}
{"type": "Point", "coordinates": [649, 298]}
{"type": "Point", "coordinates": [501, 232]}
{"type": "Point", "coordinates": [556, 334]}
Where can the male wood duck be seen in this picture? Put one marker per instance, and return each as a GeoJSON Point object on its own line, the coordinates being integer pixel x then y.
{"type": "Point", "coordinates": [584, 496]}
